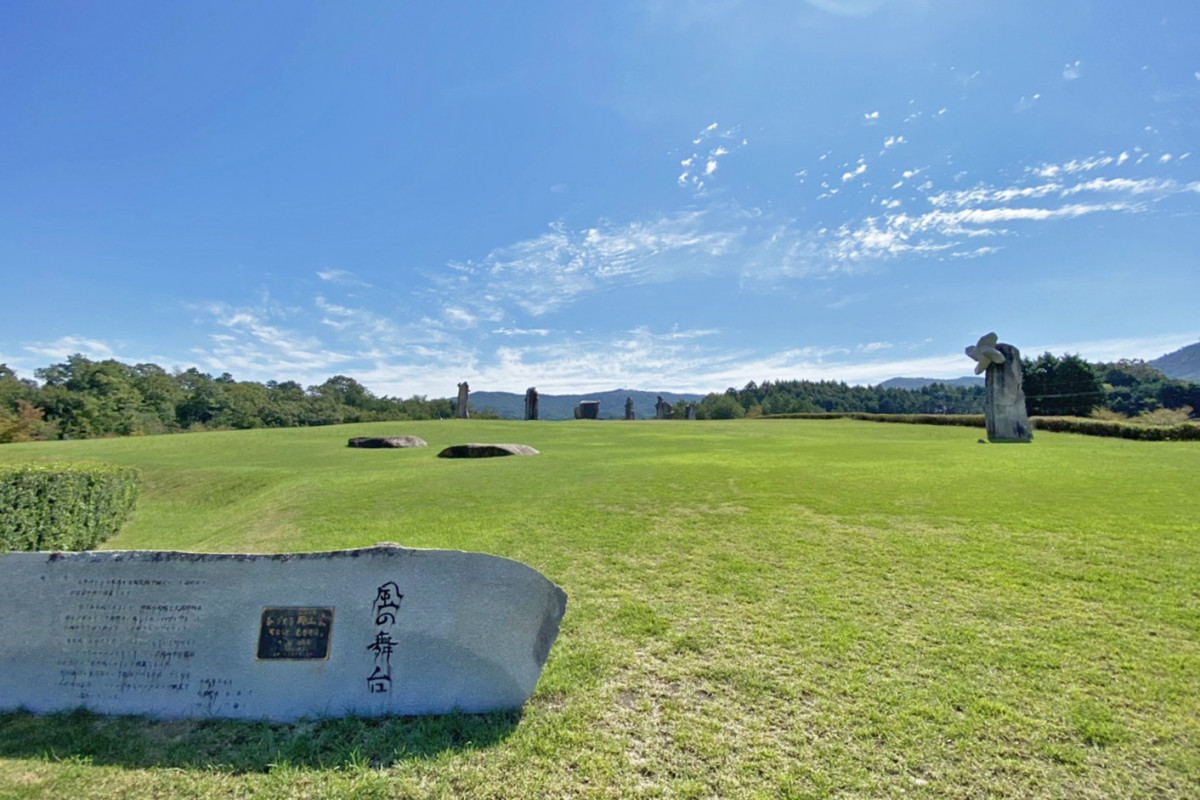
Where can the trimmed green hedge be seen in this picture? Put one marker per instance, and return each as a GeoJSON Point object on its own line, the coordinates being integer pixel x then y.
{"type": "Point", "coordinates": [966, 420]}
{"type": "Point", "coordinates": [1184, 432]}
{"type": "Point", "coordinates": [64, 506]}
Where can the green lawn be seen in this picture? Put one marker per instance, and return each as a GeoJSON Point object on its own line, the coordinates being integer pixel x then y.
{"type": "Point", "coordinates": [769, 608]}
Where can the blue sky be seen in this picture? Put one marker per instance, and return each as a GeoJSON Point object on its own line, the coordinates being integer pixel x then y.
{"type": "Point", "coordinates": [674, 196]}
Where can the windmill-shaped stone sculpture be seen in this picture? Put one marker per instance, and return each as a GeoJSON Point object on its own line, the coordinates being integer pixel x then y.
{"type": "Point", "coordinates": [1004, 406]}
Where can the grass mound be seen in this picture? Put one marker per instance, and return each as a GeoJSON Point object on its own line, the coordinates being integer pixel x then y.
{"type": "Point", "coordinates": [780, 608]}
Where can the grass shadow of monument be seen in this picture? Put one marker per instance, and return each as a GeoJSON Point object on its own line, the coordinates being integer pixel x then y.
{"type": "Point", "coordinates": [236, 746]}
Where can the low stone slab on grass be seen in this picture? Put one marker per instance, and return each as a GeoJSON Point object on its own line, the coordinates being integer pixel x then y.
{"type": "Point", "coordinates": [476, 450]}
{"type": "Point", "coordinates": [386, 441]}
{"type": "Point", "coordinates": [378, 631]}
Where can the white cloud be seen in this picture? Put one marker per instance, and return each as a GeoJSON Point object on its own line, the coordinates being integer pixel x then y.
{"type": "Point", "coordinates": [66, 346]}
{"type": "Point", "coordinates": [252, 347]}
{"type": "Point", "coordinates": [697, 177]}
{"type": "Point", "coordinates": [851, 175]}
{"type": "Point", "coordinates": [1104, 350]}
{"type": "Point", "coordinates": [341, 277]}
{"type": "Point", "coordinates": [544, 273]}
{"type": "Point", "coordinates": [1072, 71]}
{"type": "Point", "coordinates": [460, 316]}
{"type": "Point", "coordinates": [521, 331]}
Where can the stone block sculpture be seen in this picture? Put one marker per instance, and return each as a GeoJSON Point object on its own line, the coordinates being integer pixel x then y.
{"type": "Point", "coordinates": [531, 403]}
{"type": "Point", "coordinates": [463, 391]}
{"type": "Point", "coordinates": [1004, 404]}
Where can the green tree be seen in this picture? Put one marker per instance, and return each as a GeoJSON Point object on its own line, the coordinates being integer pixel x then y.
{"type": "Point", "coordinates": [720, 406]}
{"type": "Point", "coordinates": [1067, 386]}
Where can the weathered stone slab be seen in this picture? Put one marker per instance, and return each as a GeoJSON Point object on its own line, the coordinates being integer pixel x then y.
{"type": "Point", "coordinates": [479, 450]}
{"type": "Point", "coordinates": [387, 441]}
{"type": "Point", "coordinates": [1004, 401]}
{"type": "Point", "coordinates": [377, 631]}
{"type": "Point", "coordinates": [462, 410]}
{"type": "Point", "coordinates": [531, 403]}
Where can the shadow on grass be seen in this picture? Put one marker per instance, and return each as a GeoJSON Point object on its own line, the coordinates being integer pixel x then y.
{"type": "Point", "coordinates": [240, 747]}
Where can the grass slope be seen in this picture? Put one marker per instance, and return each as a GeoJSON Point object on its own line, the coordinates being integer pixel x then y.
{"type": "Point", "coordinates": [757, 608]}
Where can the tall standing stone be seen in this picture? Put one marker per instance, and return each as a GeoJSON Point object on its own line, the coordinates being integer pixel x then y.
{"type": "Point", "coordinates": [691, 410]}
{"type": "Point", "coordinates": [662, 409]}
{"type": "Point", "coordinates": [1004, 403]}
{"type": "Point", "coordinates": [1004, 409]}
{"type": "Point", "coordinates": [531, 403]}
{"type": "Point", "coordinates": [463, 391]}
{"type": "Point", "coordinates": [629, 408]}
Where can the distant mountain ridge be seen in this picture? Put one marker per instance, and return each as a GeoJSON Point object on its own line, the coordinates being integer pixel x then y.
{"type": "Point", "coordinates": [508, 405]}
{"type": "Point", "coordinates": [1181, 365]}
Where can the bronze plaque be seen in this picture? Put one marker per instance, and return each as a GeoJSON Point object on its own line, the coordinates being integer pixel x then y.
{"type": "Point", "coordinates": [295, 633]}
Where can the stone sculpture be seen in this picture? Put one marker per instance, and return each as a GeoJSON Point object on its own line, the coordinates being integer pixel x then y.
{"type": "Point", "coordinates": [588, 409]}
{"type": "Point", "coordinates": [629, 408]}
{"type": "Point", "coordinates": [662, 409]}
{"type": "Point", "coordinates": [463, 391]}
{"type": "Point", "coordinates": [531, 403]}
{"type": "Point", "coordinates": [985, 352]}
{"type": "Point", "coordinates": [1004, 404]}
{"type": "Point", "coordinates": [691, 410]}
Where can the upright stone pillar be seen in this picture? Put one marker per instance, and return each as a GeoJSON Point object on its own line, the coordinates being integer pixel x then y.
{"type": "Point", "coordinates": [1004, 404]}
{"type": "Point", "coordinates": [531, 403]}
{"type": "Point", "coordinates": [629, 408]}
{"type": "Point", "coordinates": [691, 410]}
{"type": "Point", "coordinates": [463, 391]}
{"type": "Point", "coordinates": [1004, 409]}
{"type": "Point", "coordinates": [662, 409]}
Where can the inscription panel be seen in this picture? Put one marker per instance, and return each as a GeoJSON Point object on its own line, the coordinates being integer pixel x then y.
{"type": "Point", "coordinates": [295, 633]}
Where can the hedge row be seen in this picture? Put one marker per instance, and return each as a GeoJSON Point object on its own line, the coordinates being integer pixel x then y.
{"type": "Point", "coordinates": [1183, 432]}
{"type": "Point", "coordinates": [966, 420]}
{"type": "Point", "coordinates": [1187, 431]}
{"type": "Point", "coordinates": [64, 506]}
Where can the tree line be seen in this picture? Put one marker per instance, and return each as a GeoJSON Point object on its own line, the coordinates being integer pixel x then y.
{"type": "Point", "coordinates": [1054, 386]}
{"type": "Point", "coordinates": [81, 398]}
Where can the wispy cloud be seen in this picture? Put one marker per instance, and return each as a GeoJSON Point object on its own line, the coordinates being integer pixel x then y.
{"type": "Point", "coordinates": [709, 147]}
{"type": "Point", "coordinates": [251, 343]}
{"type": "Point", "coordinates": [342, 277]}
{"type": "Point", "coordinates": [544, 273]}
{"type": "Point", "coordinates": [67, 346]}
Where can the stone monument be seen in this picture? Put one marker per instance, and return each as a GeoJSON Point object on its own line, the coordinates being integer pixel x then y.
{"type": "Point", "coordinates": [531, 403]}
{"type": "Point", "coordinates": [1004, 404]}
{"type": "Point", "coordinates": [379, 631]}
{"type": "Point", "coordinates": [463, 390]}
{"type": "Point", "coordinates": [629, 408]}
{"type": "Point", "coordinates": [691, 410]}
{"type": "Point", "coordinates": [588, 409]}
{"type": "Point", "coordinates": [662, 409]}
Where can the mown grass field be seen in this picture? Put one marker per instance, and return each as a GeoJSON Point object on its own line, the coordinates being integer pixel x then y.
{"type": "Point", "coordinates": [757, 609]}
